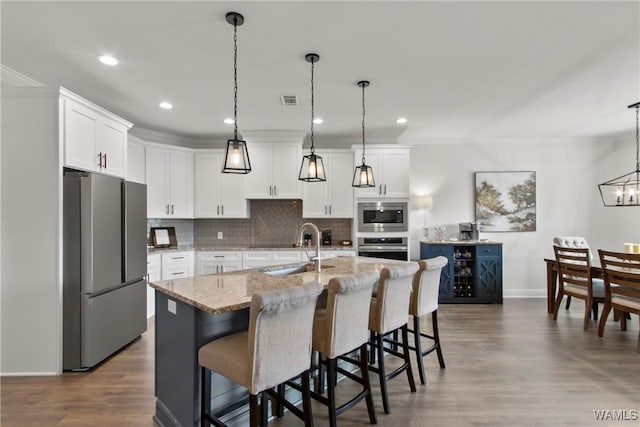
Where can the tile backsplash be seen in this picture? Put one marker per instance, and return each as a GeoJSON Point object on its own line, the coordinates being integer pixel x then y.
{"type": "Point", "coordinates": [272, 222]}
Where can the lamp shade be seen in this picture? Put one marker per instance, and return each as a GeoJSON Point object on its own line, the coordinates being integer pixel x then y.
{"type": "Point", "coordinates": [424, 202]}
{"type": "Point", "coordinates": [236, 158]}
{"type": "Point", "coordinates": [312, 169]}
{"type": "Point", "coordinates": [363, 177]}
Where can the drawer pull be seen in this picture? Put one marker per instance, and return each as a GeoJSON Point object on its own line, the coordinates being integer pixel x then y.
{"type": "Point", "coordinates": [177, 257]}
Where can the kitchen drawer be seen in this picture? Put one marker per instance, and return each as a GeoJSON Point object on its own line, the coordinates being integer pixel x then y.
{"type": "Point", "coordinates": [171, 259]}
{"type": "Point", "coordinates": [252, 256]}
{"type": "Point", "coordinates": [432, 251]}
{"type": "Point", "coordinates": [335, 254]}
{"type": "Point", "coordinates": [488, 250]}
{"type": "Point", "coordinates": [169, 273]}
{"type": "Point", "coordinates": [219, 256]}
{"type": "Point", "coordinates": [285, 257]}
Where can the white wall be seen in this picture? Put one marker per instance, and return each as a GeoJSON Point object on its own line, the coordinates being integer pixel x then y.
{"type": "Point", "coordinates": [31, 299]}
{"type": "Point", "coordinates": [568, 201]}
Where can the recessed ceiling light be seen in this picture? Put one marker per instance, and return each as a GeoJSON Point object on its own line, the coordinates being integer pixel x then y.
{"type": "Point", "coordinates": [228, 121]}
{"type": "Point", "coordinates": [401, 120]}
{"type": "Point", "coordinates": [166, 105]}
{"type": "Point", "coordinates": [318, 121]}
{"type": "Point", "coordinates": [107, 60]}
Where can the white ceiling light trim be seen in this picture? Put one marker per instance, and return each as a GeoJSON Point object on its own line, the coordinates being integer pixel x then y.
{"type": "Point", "coordinates": [108, 60]}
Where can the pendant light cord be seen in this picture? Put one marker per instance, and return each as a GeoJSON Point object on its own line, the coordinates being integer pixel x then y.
{"type": "Point", "coordinates": [363, 115]}
{"type": "Point", "coordinates": [313, 148]}
{"type": "Point", "coordinates": [235, 79]}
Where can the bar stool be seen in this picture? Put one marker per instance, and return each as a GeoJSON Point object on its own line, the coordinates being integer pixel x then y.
{"type": "Point", "coordinates": [387, 314]}
{"type": "Point", "coordinates": [424, 300]}
{"type": "Point", "coordinates": [340, 329]}
{"type": "Point", "coordinates": [276, 348]}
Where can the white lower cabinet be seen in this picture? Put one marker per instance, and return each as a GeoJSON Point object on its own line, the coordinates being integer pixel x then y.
{"type": "Point", "coordinates": [177, 264]}
{"type": "Point", "coordinates": [154, 273]}
{"type": "Point", "coordinates": [336, 253]}
{"type": "Point", "coordinates": [215, 262]}
{"type": "Point", "coordinates": [257, 259]}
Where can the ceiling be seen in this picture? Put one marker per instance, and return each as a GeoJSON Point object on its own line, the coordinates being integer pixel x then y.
{"type": "Point", "coordinates": [458, 71]}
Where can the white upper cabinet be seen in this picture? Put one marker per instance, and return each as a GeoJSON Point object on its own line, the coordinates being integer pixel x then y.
{"type": "Point", "coordinates": [275, 163]}
{"type": "Point", "coordinates": [94, 139]}
{"type": "Point", "coordinates": [218, 195]}
{"type": "Point", "coordinates": [135, 160]}
{"type": "Point", "coordinates": [334, 197]}
{"type": "Point", "coordinates": [390, 171]}
{"type": "Point", "coordinates": [169, 178]}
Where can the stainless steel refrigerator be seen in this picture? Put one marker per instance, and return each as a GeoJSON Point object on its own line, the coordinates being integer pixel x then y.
{"type": "Point", "coordinates": [104, 266]}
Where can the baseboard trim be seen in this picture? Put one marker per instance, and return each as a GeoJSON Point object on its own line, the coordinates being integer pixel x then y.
{"type": "Point", "coordinates": [525, 293]}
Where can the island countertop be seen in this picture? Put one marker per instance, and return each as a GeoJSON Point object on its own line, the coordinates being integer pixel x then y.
{"type": "Point", "coordinates": [221, 293]}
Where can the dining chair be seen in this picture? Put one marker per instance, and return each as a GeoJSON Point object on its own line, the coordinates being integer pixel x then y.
{"type": "Point", "coordinates": [621, 287]}
{"type": "Point", "coordinates": [574, 279]}
{"type": "Point", "coordinates": [424, 300]}
{"type": "Point", "coordinates": [573, 242]}
{"type": "Point", "coordinates": [340, 329]}
{"type": "Point", "coordinates": [388, 314]}
{"type": "Point", "coordinates": [276, 348]}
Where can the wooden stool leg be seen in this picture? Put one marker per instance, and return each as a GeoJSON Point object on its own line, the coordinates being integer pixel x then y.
{"type": "Point", "coordinates": [381, 373]}
{"type": "Point", "coordinates": [254, 414]}
{"type": "Point", "coordinates": [436, 337]}
{"type": "Point", "coordinates": [279, 406]}
{"type": "Point", "coordinates": [407, 358]}
{"type": "Point", "coordinates": [587, 314]}
{"type": "Point", "coordinates": [364, 370]}
{"type": "Point", "coordinates": [331, 390]}
{"type": "Point", "coordinates": [566, 307]}
{"type": "Point", "coordinates": [306, 400]}
{"type": "Point", "coordinates": [416, 340]}
{"type": "Point", "coordinates": [603, 318]}
{"type": "Point", "coordinates": [204, 397]}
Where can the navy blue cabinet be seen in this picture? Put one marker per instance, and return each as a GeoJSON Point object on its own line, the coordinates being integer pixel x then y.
{"type": "Point", "coordinates": [473, 274]}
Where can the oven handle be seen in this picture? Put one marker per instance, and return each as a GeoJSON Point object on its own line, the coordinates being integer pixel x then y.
{"type": "Point", "coordinates": [382, 248]}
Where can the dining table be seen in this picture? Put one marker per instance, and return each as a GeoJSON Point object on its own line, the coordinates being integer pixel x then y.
{"type": "Point", "coordinates": [552, 278]}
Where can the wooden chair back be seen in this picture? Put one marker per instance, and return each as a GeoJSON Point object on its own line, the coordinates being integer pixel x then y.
{"type": "Point", "coordinates": [574, 269]}
{"type": "Point", "coordinates": [621, 280]}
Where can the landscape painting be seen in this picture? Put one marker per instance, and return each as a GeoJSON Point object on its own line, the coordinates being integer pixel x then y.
{"type": "Point", "coordinates": [506, 201]}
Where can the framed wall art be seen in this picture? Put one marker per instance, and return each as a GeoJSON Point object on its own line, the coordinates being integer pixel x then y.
{"type": "Point", "coordinates": [506, 201]}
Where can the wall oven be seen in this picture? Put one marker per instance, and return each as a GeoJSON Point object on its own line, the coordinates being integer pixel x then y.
{"type": "Point", "coordinates": [382, 217]}
{"type": "Point", "coordinates": [384, 247]}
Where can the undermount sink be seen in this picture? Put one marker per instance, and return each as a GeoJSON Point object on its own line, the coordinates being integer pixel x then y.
{"type": "Point", "coordinates": [285, 270]}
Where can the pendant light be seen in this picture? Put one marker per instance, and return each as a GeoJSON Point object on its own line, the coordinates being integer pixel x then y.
{"type": "Point", "coordinates": [363, 174]}
{"type": "Point", "coordinates": [236, 159]}
{"type": "Point", "coordinates": [624, 190]}
{"type": "Point", "coordinates": [312, 167]}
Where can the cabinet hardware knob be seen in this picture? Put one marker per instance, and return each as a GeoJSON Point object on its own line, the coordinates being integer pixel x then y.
{"type": "Point", "coordinates": [105, 160]}
{"type": "Point", "coordinates": [167, 209]}
{"type": "Point", "coordinates": [222, 209]}
{"type": "Point", "coordinates": [172, 209]}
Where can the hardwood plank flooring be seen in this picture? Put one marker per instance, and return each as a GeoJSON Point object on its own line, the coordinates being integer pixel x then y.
{"type": "Point", "coordinates": [507, 365]}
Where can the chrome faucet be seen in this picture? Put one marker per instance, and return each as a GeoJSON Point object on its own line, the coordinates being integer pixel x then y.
{"type": "Point", "coordinates": [301, 242]}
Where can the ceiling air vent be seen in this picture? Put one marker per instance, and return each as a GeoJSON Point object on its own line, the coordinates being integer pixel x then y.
{"type": "Point", "coordinates": [289, 100]}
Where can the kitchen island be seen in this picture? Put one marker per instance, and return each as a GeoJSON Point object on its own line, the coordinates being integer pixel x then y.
{"type": "Point", "coordinates": [195, 310]}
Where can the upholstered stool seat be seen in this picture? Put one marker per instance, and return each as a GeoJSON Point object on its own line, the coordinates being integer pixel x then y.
{"type": "Point", "coordinates": [276, 348]}
{"type": "Point", "coordinates": [424, 300]}
{"type": "Point", "coordinates": [388, 314]}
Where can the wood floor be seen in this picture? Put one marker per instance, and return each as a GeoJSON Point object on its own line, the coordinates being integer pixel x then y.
{"type": "Point", "coordinates": [507, 365]}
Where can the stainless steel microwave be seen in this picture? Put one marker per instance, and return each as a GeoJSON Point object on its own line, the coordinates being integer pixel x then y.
{"type": "Point", "coordinates": [382, 216]}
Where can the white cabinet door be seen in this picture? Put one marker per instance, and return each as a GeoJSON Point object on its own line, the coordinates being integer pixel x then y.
{"type": "Point", "coordinates": [396, 173]}
{"type": "Point", "coordinates": [181, 184]}
{"type": "Point", "coordinates": [80, 134]}
{"type": "Point", "coordinates": [333, 198]}
{"type": "Point", "coordinates": [229, 266]}
{"type": "Point", "coordinates": [207, 171]}
{"type": "Point", "coordinates": [286, 160]}
{"type": "Point", "coordinates": [135, 161]}
{"type": "Point", "coordinates": [274, 171]}
{"type": "Point", "coordinates": [218, 194]}
{"type": "Point", "coordinates": [258, 181]}
{"type": "Point", "coordinates": [157, 178]}
{"type": "Point", "coordinates": [169, 180]}
{"type": "Point", "coordinates": [112, 145]}
{"type": "Point", "coordinates": [286, 257]}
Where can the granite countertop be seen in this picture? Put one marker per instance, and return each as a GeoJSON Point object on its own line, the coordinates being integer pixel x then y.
{"type": "Point", "coordinates": [220, 293]}
{"type": "Point", "coordinates": [152, 250]}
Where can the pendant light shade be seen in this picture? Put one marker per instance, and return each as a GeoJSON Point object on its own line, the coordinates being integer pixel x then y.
{"type": "Point", "coordinates": [363, 174]}
{"type": "Point", "coordinates": [312, 167]}
{"type": "Point", "coordinates": [624, 190]}
{"type": "Point", "coordinates": [236, 159]}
